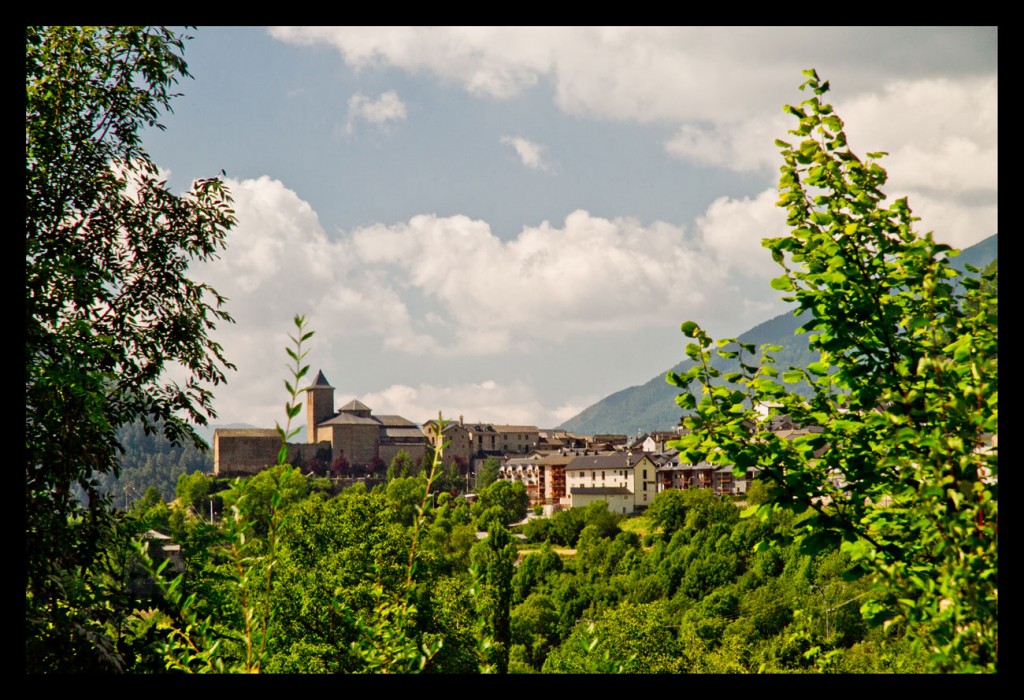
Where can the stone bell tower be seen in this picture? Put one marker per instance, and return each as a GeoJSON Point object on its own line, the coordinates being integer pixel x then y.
{"type": "Point", "coordinates": [319, 405]}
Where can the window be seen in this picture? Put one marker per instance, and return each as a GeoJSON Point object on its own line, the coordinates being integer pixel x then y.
{"type": "Point", "coordinates": [645, 473]}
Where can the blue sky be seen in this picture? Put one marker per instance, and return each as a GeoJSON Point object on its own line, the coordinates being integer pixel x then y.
{"type": "Point", "coordinates": [511, 223]}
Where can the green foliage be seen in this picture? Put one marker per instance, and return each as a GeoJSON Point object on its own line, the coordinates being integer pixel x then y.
{"type": "Point", "coordinates": [401, 466]}
{"type": "Point", "coordinates": [151, 460]}
{"type": "Point", "coordinates": [504, 502]}
{"type": "Point", "coordinates": [493, 561]}
{"type": "Point", "coordinates": [629, 639]}
{"type": "Point", "coordinates": [535, 572]}
{"type": "Point", "coordinates": [292, 386]}
{"type": "Point", "coordinates": [109, 307]}
{"type": "Point", "coordinates": [259, 498]}
{"type": "Point", "coordinates": [566, 526]}
{"type": "Point", "coordinates": [404, 496]}
{"type": "Point", "coordinates": [534, 626]}
{"type": "Point", "coordinates": [668, 511]}
{"type": "Point", "coordinates": [193, 492]}
{"type": "Point", "coordinates": [487, 474]}
{"type": "Point", "coordinates": [904, 391]}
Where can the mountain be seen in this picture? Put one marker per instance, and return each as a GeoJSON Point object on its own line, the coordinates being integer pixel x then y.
{"type": "Point", "coordinates": [652, 406]}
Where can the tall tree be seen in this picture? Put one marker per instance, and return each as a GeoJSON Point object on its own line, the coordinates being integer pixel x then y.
{"type": "Point", "coordinates": [493, 561]}
{"type": "Point", "coordinates": [904, 470]}
{"type": "Point", "coordinates": [109, 306]}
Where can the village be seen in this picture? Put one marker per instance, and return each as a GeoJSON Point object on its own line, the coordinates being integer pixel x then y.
{"type": "Point", "coordinates": [559, 469]}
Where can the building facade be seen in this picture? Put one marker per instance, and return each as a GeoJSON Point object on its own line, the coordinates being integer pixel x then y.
{"type": "Point", "coordinates": [627, 481]}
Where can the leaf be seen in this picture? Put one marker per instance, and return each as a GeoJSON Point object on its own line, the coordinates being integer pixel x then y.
{"type": "Point", "coordinates": [818, 368]}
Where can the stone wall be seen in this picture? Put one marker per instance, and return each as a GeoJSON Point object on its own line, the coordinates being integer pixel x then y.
{"type": "Point", "coordinates": [416, 452]}
{"type": "Point", "coordinates": [244, 452]}
{"type": "Point", "coordinates": [357, 442]}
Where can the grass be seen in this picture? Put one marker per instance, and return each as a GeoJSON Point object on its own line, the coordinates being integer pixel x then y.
{"type": "Point", "coordinates": [639, 524]}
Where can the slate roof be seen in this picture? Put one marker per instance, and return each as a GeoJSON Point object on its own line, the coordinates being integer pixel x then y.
{"type": "Point", "coordinates": [617, 460]}
{"type": "Point", "coordinates": [703, 466]}
{"type": "Point", "coordinates": [600, 491]}
{"type": "Point", "coordinates": [396, 422]}
{"type": "Point", "coordinates": [355, 405]}
{"type": "Point", "coordinates": [320, 382]}
{"type": "Point", "coordinates": [349, 419]}
{"type": "Point", "coordinates": [246, 432]}
{"type": "Point", "coordinates": [405, 434]}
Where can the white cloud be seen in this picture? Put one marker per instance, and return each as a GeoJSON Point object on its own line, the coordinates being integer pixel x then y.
{"type": "Point", "coordinates": [723, 87]}
{"type": "Point", "coordinates": [591, 274]}
{"type": "Point", "coordinates": [731, 231]}
{"type": "Point", "coordinates": [941, 135]}
{"type": "Point", "coordinates": [740, 146]}
{"type": "Point", "coordinates": [491, 61]}
{"type": "Point", "coordinates": [488, 401]}
{"type": "Point", "coordinates": [474, 293]}
{"type": "Point", "coordinates": [957, 224]}
{"type": "Point", "coordinates": [588, 276]}
{"type": "Point", "coordinates": [653, 73]}
{"type": "Point", "coordinates": [531, 154]}
{"type": "Point", "coordinates": [388, 107]}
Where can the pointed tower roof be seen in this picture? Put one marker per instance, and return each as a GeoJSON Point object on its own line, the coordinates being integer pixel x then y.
{"type": "Point", "coordinates": [320, 382]}
{"type": "Point", "coordinates": [355, 405]}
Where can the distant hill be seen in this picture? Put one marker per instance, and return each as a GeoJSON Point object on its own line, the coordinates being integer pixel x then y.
{"type": "Point", "coordinates": [651, 406]}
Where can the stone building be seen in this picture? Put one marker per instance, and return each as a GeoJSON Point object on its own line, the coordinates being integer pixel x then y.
{"type": "Point", "coordinates": [459, 446]}
{"type": "Point", "coordinates": [244, 451]}
{"type": "Point", "coordinates": [355, 433]}
{"type": "Point", "coordinates": [352, 431]}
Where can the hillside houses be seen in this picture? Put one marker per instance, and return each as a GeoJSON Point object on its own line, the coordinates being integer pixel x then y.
{"type": "Point", "coordinates": [558, 469]}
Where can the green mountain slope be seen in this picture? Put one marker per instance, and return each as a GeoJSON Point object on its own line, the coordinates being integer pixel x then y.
{"type": "Point", "coordinates": [652, 406]}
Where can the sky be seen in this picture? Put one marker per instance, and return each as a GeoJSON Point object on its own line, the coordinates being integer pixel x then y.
{"type": "Point", "coordinates": [509, 224]}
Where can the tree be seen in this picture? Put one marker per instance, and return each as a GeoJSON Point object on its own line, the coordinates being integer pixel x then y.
{"type": "Point", "coordinates": [340, 466]}
{"type": "Point", "coordinates": [505, 501]}
{"type": "Point", "coordinates": [903, 472]}
{"type": "Point", "coordinates": [404, 496]}
{"type": "Point", "coordinates": [259, 497]}
{"type": "Point", "coordinates": [493, 563]}
{"type": "Point", "coordinates": [629, 639]}
{"type": "Point", "coordinates": [193, 492]}
{"type": "Point", "coordinates": [487, 474]}
{"type": "Point", "coordinates": [109, 306]}
{"type": "Point", "coordinates": [401, 466]}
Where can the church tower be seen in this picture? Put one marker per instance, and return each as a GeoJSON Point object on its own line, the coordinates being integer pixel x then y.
{"type": "Point", "coordinates": [319, 404]}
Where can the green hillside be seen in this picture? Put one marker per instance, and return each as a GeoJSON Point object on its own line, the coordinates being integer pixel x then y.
{"type": "Point", "coordinates": [652, 406]}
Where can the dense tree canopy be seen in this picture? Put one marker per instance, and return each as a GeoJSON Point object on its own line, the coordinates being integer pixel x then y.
{"type": "Point", "coordinates": [109, 307]}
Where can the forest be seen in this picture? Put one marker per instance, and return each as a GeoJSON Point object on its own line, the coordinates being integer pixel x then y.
{"type": "Point", "coordinates": [870, 546]}
{"type": "Point", "coordinates": [680, 589]}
